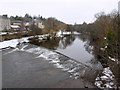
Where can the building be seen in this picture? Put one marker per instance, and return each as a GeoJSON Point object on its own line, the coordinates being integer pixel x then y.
{"type": "Point", "coordinates": [119, 7]}
{"type": "Point", "coordinates": [38, 23]}
{"type": "Point", "coordinates": [27, 25]}
{"type": "Point", "coordinates": [19, 23]}
{"type": "Point", "coordinates": [4, 23]}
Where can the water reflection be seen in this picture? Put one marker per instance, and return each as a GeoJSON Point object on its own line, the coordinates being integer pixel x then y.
{"type": "Point", "coordinates": [73, 46]}
{"type": "Point", "coordinates": [66, 41]}
{"type": "Point", "coordinates": [51, 43]}
{"type": "Point", "coordinates": [76, 50]}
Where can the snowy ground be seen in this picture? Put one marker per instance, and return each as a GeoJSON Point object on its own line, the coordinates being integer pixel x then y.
{"type": "Point", "coordinates": [13, 42]}
{"type": "Point", "coordinates": [60, 33]}
{"type": "Point", "coordinates": [8, 33]}
{"type": "Point", "coordinates": [106, 79]}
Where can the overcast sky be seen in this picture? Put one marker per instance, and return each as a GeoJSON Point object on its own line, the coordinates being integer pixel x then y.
{"type": "Point", "coordinates": [68, 11]}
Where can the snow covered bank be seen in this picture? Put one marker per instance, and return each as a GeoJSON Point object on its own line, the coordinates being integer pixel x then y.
{"type": "Point", "coordinates": [8, 33]}
{"type": "Point", "coordinates": [13, 42]}
{"type": "Point", "coordinates": [3, 33]}
{"type": "Point", "coordinates": [106, 79]}
{"type": "Point", "coordinates": [61, 33]}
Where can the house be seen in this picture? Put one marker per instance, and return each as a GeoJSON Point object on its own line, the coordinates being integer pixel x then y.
{"type": "Point", "coordinates": [16, 25]}
{"type": "Point", "coordinates": [38, 23]}
{"type": "Point", "coordinates": [27, 25]}
{"type": "Point", "coordinates": [4, 22]}
{"type": "Point", "coordinates": [16, 22]}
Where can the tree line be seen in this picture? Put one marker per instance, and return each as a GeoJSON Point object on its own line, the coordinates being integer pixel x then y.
{"type": "Point", "coordinates": [104, 35]}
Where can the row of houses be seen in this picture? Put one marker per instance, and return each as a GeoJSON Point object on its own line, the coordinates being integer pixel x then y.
{"type": "Point", "coordinates": [7, 24]}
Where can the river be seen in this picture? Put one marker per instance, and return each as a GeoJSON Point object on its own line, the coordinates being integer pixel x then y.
{"type": "Point", "coordinates": [76, 46]}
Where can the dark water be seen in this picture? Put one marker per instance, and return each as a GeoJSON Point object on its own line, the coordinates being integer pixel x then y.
{"type": "Point", "coordinates": [75, 50]}
{"type": "Point", "coordinates": [75, 46]}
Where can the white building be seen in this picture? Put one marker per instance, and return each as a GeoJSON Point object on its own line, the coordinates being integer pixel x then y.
{"type": "Point", "coordinates": [38, 23]}
{"type": "Point", "coordinates": [4, 22]}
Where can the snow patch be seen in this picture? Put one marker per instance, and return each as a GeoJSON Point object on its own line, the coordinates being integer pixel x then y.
{"type": "Point", "coordinates": [24, 47]}
{"type": "Point", "coordinates": [61, 33]}
{"type": "Point", "coordinates": [13, 42]}
{"type": "Point", "coordinates": [105, 47]}
{"type": "Point", "coordinates": [105, 38]}
{"type": "Point", "coordinates": [113, 59]}
{"type": "Point", "coordinates": [11, 51]}
{"type": "Point", "coordinates": [76, 33]}
{"type": "Point", "coordinates": [102, 49]}
{"type": "Point", "coordinates": [106, 80]}
{"type": "Point", "coordinates": [3, 33]}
